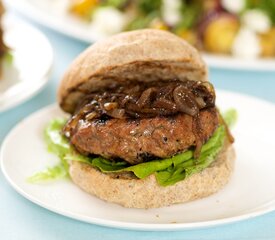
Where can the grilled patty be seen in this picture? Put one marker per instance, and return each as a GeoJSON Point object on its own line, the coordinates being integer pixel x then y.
{"type": "Point", "coordinates": [139, 140]}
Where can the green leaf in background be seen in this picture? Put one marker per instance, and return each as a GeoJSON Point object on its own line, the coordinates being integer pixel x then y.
{"type": "Point", "coordinates": [190, 13]}
{"type": "Point", "coordinates": [114, 3]}
{"type": "Point", "coordinates": [268, 6]}
{"type": "Point", "coordinates": [141, 21]}
{"type": "Point", "coordinates": [149, 6]}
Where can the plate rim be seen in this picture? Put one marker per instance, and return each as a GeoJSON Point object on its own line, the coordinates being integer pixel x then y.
{"type": "Point", "coordinates": [45, 78]}
{"type": "Point", "coordinates": [261, 210]}
{"type": "Point", "coordinates": [27, 9]}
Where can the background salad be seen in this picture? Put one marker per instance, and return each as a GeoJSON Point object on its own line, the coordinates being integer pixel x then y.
{"type": "Point", "coordinates": [243, 28]}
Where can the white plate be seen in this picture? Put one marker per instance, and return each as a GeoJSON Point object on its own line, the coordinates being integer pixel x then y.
{"type": "Point", "coordinates": [51, 15]}
{"type": "Point", "coordinates": [249, 193]}
{"type": "Point", "coordinates": [30, 68]}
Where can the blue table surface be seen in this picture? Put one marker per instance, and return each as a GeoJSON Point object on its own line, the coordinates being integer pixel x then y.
{"type": "Point", "coordinates": [22, 219]}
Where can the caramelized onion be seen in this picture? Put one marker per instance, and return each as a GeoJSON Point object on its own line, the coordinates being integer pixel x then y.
{"type": "Point", "coordinates": [146, 97]}
{"type": "Point", "coordinates": [185, 101]}
{"type": "Point", "coordinates": [117, 113]}
{"type": "Point", "coordinates": [146, 100]}
{"type": "Point", "coordinates": [165, 104]}
{"type": "Point", "coordinates": [91, 116]}
{"type": "Point", "coordinates": [110, 105]}
{"type": "Point", "coordinates": [200, 102]}
{"type": "Point", "coordinates": [71, 126]}
{"type": "Point", "coordinates": [208, 86]}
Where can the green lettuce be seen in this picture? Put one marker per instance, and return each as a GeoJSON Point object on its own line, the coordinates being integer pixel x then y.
{"type": "Point", "coordinates": [51, 173]}
{"type": "Point", "coordinates": [230, 117]}
{"type": "Point", "coordinates": [8, 58]}
{"type": "Point", "coordinates": [178, 172]}
{"type": "Point", "coordinates": [58, 145]}
{"type": "Point", "coordinates": [167, 171]}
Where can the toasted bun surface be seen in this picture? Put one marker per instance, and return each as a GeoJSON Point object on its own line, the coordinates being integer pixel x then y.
{"type": "Point", "coordinates": [142, 55]}
{"type": "Point", "coordinates": [146, 193]}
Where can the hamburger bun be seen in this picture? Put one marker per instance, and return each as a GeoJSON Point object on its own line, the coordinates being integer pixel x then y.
{"type": "Point", "coordinates": [142, 55]}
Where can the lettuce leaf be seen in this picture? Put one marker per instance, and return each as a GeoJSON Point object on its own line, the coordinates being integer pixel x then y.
{"type": "Point", "coordinates": [179, 172]}
{"type": "Point", "coordinates": [230, 117]}
{"type": "Point", "coordinates": [167, 171]}
{"type": "Point", "coordinates": [8, 58]}
{"type": "Point", "coordinates": [51, 173]}
{"type": "Point", "coordinates": [58, 145]}
{"type": "Point", "coordinates": [141, 170]}
{"type": "Point", "coordinates": [56, 142]}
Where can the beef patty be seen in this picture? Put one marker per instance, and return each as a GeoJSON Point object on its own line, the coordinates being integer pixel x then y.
{"type": "Point", "coordinates": [139, 140]}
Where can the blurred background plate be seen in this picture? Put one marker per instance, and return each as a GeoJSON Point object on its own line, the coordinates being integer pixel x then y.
{"type": "Point", "coordinates": [43, 12]}
{"type": "Point", "coordinates": [28, 70]}
{"type": "Point", "coordinates": [54, 16]}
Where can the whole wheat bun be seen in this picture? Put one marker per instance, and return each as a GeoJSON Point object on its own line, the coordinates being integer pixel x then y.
{"type": "Point", "coordinates": [147, 193]}
{"type": "Point", "coordinates": [142, 55]}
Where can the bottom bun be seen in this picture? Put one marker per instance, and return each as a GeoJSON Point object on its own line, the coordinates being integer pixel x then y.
{"type": "Point", "coordinates": [146, 193]}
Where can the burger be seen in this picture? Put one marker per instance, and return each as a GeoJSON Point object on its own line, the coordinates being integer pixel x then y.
{"type": "Point", "coordinates": [144, 127]}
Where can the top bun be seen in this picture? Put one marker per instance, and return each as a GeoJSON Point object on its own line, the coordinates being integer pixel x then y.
{"type": "Point", "coordinates": [142, 55]}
